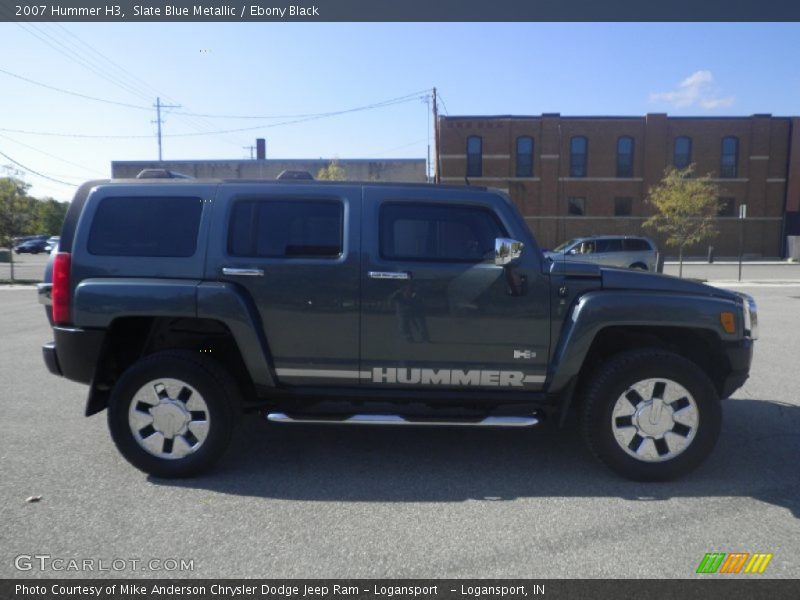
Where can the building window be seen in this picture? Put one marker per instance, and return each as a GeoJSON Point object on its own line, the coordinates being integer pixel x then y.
{"type": "Point", "coordinates": [474, 156]}
{"type": "Point", "coordinates": [577, 156]}
{"type": "Point", "coordinates": [729, 166]}
{"type": "Point", "coordinates": [576, 206]}
{"type": "Point", "coordinates": [524, 156]}
{"type": "Point", "coordinates": [727, 207]}
{"type": "Point", "coordinates": [682, 153]}
{"type": "Point", "coordinates": [623, 207]}
{"type": "Point", "coordinates": [625, 157]}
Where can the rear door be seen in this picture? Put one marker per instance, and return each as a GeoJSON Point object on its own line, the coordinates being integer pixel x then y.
{"type": "Point", "coordinates": [436, 311]}
{"type": "Point", "coordinates": [294, 251]}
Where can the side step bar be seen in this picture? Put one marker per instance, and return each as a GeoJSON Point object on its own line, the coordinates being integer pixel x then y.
{"type": "Point", "coordinates": [528, 421]}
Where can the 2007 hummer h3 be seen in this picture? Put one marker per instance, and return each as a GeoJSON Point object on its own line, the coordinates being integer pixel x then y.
{"type": "Point", "coordinates": [183, 303]}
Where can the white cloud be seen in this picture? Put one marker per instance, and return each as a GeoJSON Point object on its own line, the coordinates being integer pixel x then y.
{"type": "Point", "coordinates": [696, 90]}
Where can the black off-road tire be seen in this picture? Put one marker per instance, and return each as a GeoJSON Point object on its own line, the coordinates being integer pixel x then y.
{"type": "Point", "coordinates": [616, 377]}
{"type": "Point", "coordinates": [210, 380]}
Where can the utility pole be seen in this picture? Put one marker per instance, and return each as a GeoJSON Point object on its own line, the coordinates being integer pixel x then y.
{"type": "Point", "coordinates": [436, 170]}
{"type": "Point", "coordinates": [251, 148]}
{"type": "Point", "coordinates": [158, 106]}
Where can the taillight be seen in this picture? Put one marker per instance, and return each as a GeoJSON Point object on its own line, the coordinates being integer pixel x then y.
{"type": "Point", "coordinates": [60, 290]}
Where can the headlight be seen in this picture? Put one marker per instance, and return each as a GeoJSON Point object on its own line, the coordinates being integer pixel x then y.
{"type": "Point", "coordinates": [750, 316]}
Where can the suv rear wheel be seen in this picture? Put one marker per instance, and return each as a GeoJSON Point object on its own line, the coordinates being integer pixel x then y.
{"type": "Point", "coordinates": [172, 413]}
{"type": "Point", "coordinates": [651, 415]}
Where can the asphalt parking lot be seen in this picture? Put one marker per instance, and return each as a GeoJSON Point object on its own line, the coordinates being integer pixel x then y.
{"type": "Point", "coordinates": [315, 501]}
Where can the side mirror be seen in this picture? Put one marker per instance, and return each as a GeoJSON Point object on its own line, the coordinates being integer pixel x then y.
{"type": "Point", "coordinates": [507, 251]}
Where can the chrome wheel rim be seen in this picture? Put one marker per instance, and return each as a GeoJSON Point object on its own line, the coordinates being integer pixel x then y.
{"type": "Point", "coordinates": [169, 418]}
{"type": "Point", "coordinates": [655, 420]}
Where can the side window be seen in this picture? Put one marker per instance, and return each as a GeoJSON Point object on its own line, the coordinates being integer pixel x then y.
{"type": "Point", "coordinates": [147, 226]}
{"type": "Point", "coordinates": [609, 245]}
{"type": "Point", "coordinates": [636, 245]}
{"type": "Point", "coordinates": [437, 233]}
{"type": "Point", "coordinates": [286, 228]}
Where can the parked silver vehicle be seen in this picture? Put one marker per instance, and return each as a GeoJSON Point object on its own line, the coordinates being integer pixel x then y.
{"type": "Point", "coordinates": [612, 250]}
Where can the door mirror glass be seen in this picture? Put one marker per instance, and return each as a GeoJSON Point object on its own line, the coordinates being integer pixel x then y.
{"type": "Point", "coordinates": [507, 251]}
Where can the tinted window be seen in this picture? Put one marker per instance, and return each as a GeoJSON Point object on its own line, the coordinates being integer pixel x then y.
{"type": "Point", "coordinates": [625, 157]}
{"type": "Point", "coordinates": [286, 228]}
{"type": "Point", "coordinates": [524, 156]}
{"type": "Point", "coordinates": [682, 154]}
{"type": "Point", "coordinates": [577, 156]}
{"type": "Point", "coordinates": [730, 157]}
{"type": "Point", "coordinates": [636, 245]}
{"type": "Point", "coordinates": [146, 226]}
{"type": "Point", "coordinates": [474, 156]}
{"type": "Point", "coordinates": [612, 245]}
{"type": "Point", "coordinates": [429, 232]}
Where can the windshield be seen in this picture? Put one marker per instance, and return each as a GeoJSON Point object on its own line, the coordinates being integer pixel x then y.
{"type": "Point", "coordinates": [565, 245]}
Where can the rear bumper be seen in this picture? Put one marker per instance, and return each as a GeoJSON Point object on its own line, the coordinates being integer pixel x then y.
{"type": "Point", "coordinates": [74, 353]}
{"type": "Point", "coordinates": [740, 356]}
{"type": "Point", "coordinates": [51, 359]}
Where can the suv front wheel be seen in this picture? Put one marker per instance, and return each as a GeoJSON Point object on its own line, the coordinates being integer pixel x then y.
{"type": "Point", "coordinates": [172, 413]}
{"type": "Point", "coordinates": [651, 415]}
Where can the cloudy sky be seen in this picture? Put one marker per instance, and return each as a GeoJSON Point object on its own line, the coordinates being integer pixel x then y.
{"type": "Point", "coordinates": [77, 96]}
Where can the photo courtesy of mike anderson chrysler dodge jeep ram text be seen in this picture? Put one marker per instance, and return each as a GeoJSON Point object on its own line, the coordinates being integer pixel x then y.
{"type": "Point", "coordinates": [183, 303]}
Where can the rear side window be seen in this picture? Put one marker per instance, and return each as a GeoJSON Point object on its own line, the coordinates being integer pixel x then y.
{"type": "Point", "coordinates": [612, 245]}
{"type": "Point", "coordinates": [286, 228]}
{"type": "Point", "coordinates": [636, 245]}
{"type": "Point", "coordinates": [438, 233]}
{"type": "Point", "coordinates": [161, 226]}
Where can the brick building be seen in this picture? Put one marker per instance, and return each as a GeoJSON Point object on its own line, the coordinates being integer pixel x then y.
{"type": "Point", "coordinates": [574, 176]}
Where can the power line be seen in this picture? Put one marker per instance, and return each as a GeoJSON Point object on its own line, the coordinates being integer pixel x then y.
{"type": "Point", "coordinates": [77, 94]}
{"type": "Point", "coordinates": [29, 170]}
{"type": "Point", "coordinates": [64, 160]}
{"type": "Point", "coordinates": [393, 102]}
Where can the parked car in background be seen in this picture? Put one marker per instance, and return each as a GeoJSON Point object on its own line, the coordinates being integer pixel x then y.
{"type": "Point", "coordinates": [34, 246]}
{"type": "Point", "coordinates": [52, 243]}
{"type": "Point", "coordinates": [633, 252]}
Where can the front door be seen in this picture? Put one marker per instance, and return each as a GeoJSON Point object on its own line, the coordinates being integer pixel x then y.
{"type": "Point", "coordinates": [436, 310]}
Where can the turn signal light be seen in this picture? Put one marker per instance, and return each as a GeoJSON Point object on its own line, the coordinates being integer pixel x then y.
{"type": "Point", "coordinates": [728, 320]}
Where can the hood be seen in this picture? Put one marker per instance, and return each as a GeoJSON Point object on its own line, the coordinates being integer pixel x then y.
{"type": "Point", "coordinates": [630, 279]}
{"type": "Point", "coordinates": [574, 268]}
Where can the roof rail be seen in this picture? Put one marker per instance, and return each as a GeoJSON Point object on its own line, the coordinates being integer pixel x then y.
{"type": "Point", "coordinates": [161, 174]}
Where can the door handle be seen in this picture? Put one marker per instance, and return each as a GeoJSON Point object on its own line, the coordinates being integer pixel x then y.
{"type": "Point", "coordinates": [243, 272]}
{"type": "Point", "coordinates": [397, 275]}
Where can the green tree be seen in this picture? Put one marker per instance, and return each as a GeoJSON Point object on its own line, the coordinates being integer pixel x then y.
{"type": "Point", "coordinates": [686, 208]}
{"type": "Point", "coordinates": [333, 172]}
{"type": "Point", "coordinates": [16, 214]}
{"type": "Point", "coordinates": [50, 216]}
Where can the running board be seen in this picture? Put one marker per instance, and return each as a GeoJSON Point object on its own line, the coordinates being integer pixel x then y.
{"type": "Point", "coordinates": [528, 421]}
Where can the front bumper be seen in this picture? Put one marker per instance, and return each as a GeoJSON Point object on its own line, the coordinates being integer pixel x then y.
{"type": "Point", "coordinates": [740, 357]}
